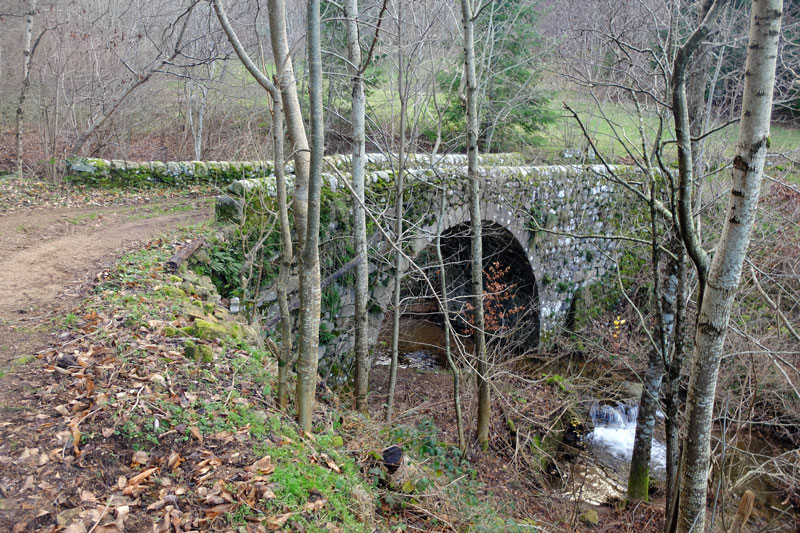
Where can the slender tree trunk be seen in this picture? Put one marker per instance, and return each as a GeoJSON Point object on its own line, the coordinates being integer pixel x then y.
{"type": "Point", "coordinates": [294, 117]}
{"type": "Point", "coordinates": [726, 267]}
{"type": "Point", "coordinates": [680, 112]}
{"type": "Point", "coordinates": [54, 132]}
{"type": "Point", "coordinates": [197, 114]}
{"type": "Point", "coordinates": [639, 478]}
{"type": "Point", "coordinates": [484, 407]}
{"type": "Point", "coordinates": [310, 291]}
{"type": "Point", "coordinates": [285, 357]}
{"type": "Point", "coordinates": [26, 80]}
{"type": "Point", "coordinates": [398, 228]}
{"type": "Point", "coordinates": [639, 475]}
{"type": "Point", "coordinates": [361, 343]}
{"type": "Point", "coordinates": [696, 99]}
{"type": "Point", "coordinates": [672, 387]}
{"type": "Point", "coordinates": [445, 303]}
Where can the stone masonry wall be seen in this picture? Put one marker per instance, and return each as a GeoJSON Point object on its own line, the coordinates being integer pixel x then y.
{"type": "Point", "coordinates": [562, 216]}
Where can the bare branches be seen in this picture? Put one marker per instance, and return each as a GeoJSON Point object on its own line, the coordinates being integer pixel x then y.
{"type": "Point", "coordinates": [242, 53]}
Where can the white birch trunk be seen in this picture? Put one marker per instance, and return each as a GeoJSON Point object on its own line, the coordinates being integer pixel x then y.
{"type": "Point", "coordinates": [310, 289]}
{"type": "Point", "coordinates": [726, 266]}
{"type": "Point", "coordinates": [26, 81]}
{"type": "Point", "coordinates": [361, 344]}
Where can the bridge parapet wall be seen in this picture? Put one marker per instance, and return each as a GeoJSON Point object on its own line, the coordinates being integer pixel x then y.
{"type": "Point", "coordinates": [97, 171]}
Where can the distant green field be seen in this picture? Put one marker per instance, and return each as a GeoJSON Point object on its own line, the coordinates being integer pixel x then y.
{"type": "Point", "coordinates": [612, 121]}
{"type": "Point", "coordinates": [606, 123]}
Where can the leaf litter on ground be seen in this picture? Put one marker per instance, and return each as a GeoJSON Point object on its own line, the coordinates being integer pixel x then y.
{"type": "Point", "coordinates": [134, 435]}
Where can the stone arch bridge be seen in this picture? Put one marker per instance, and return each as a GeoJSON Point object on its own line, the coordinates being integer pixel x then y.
{"type": "Point", "coordinates": [550, 226]}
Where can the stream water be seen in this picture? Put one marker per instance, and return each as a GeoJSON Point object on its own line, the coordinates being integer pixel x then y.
{"type": "Point", "coordinates": [598, 474]}
{"type": "Point", "coordinates": [611, 442]}
{"type": "Point", "coordinates": [420, 346]}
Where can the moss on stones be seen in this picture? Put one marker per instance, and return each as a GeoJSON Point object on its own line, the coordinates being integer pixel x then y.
{"type": "Point", "coordinates": [190, 349]}
{"type": "Point", "coordinates": [171, 331]}
{"type": "Point", "coordinates": [205, 353]}
{"type": "Point", "coordinates": [203, 329]}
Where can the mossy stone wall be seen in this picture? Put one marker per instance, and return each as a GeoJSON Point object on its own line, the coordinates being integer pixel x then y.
{"type": "Point", "coordinates": [562, 216]}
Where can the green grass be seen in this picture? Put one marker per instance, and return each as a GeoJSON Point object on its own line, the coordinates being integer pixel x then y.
{"type": "Point", "coordinates": [613, 121]}
{"type": "Point", "coordinates": [452, 477]}
{"type": "Point", "coordinates": [24, 360]}
{"type": "Point", "coordinates": [302, 471]}
{"type": "Point", "coordinates": [70, 320]}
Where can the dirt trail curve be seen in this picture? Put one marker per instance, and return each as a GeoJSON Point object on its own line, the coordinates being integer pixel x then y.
{"type": "Point", "coordinates": [48, 256]}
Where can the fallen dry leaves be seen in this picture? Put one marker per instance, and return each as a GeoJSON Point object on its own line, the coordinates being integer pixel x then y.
{"type": "Point", "coordinates": [114, 379]}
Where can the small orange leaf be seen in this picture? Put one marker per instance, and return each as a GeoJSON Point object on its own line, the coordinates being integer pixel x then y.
{"type": "Point", "coordinates": [274, 523]}
{"type": "Point", "coordinates": [196, 433]}
{"type": "Point", "coordinates": [263, 465]}
{"type": "Point", "coordinates": [332, 465]}
{"type": "Point", "coordinates": [138, 478]}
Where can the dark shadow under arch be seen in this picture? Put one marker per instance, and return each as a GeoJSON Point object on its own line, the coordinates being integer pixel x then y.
{"type": "Point", "coordinates": [511, 295]}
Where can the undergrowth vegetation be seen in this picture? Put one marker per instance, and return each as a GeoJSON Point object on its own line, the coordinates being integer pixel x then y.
{"type": "Point", "coordinates": [169, 399]}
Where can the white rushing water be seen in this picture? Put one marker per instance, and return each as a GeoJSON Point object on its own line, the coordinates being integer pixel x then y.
{"type": "Point", "coordinates": [612, 438]}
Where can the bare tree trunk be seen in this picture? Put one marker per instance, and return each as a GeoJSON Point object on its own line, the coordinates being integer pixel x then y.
{"type": "Point", "coordinates": [484, 407]}
{"type": "Point", "coordinates": [725, 269]}
{"type": "Point", "coordinates": [445, 302]}
{"type": "Point", "coordinates": [294, 117]}
{"type": "Point", "coordinates": [196, 113]}
{"type": "Point", "coordinates": [285, 357]}
{"type": "Point", "coordinates": [54, 134]}
{"type": "Point", "coordinates": [27, 56]}
{"type": "Point", "coordinates": [399, 209]}
{"type": "Point", "coordinates": [310, 291]}
{"type": "Point", "coordinates": [672, 387]}
{"type": "Point", "coordinates": [398, 228]}
{"type": "Point", "coordinates": [639, 475]}
{"type": "Point", "coordinates": [361, 343]}
{"type": "Point", "coordinates": [696, 99]}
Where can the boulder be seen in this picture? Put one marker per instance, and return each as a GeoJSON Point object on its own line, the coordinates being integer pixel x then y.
{"type": "Point", "coordinates": [590, 517]}
{"type": "Point", "coordinates": [203, 329]}
{"type": "Point", "coordinates": [228, 210]}
{"type": "Point", "coordinates": [170, 331]}
{"type": "Point", "coordinates": [190, 349]}
{"type": "Point", "coordinates": [205, 354]}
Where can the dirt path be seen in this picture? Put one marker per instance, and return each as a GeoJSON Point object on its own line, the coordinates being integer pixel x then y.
{"type": "Point", "coordinates": [48, 260]}
{"type": "Point", "coordinates": [48, 256]}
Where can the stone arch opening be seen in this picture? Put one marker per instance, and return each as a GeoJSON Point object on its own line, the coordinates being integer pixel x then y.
{"type": "Point", "coordinates": [511, 301]}
{"type": "Point", "coordinates": [511, 297]}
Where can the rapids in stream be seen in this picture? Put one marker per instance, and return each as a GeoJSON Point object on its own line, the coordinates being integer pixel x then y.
{"type": "Point", "coordinates": [611, 442]}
